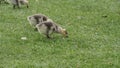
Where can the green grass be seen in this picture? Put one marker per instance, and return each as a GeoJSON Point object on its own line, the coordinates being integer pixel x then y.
{"type": "Point", "coordinates": [94, 40]}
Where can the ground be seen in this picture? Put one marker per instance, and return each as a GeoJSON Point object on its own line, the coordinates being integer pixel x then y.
{"type": "Point", "coordinates": [93, 27]}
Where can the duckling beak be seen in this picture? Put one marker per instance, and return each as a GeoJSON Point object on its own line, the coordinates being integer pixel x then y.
{"type": "Point", "coordinates": [64, 33]}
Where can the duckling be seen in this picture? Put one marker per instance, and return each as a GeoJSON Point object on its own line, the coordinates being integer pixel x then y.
{"type": "Point", "coordinates": [18, 3]}
{"type": "Point", "coordinates": [49, 27]}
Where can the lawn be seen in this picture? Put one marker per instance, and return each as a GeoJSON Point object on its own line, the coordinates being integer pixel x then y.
{"type": "Point", "coordinates": [93, 27]}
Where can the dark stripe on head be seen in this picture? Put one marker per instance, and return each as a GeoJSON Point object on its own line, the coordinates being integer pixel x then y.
{"type": "Point", "coordinates": [48, 25]}
{"type": "Point", "coordinates": [37, 17]}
